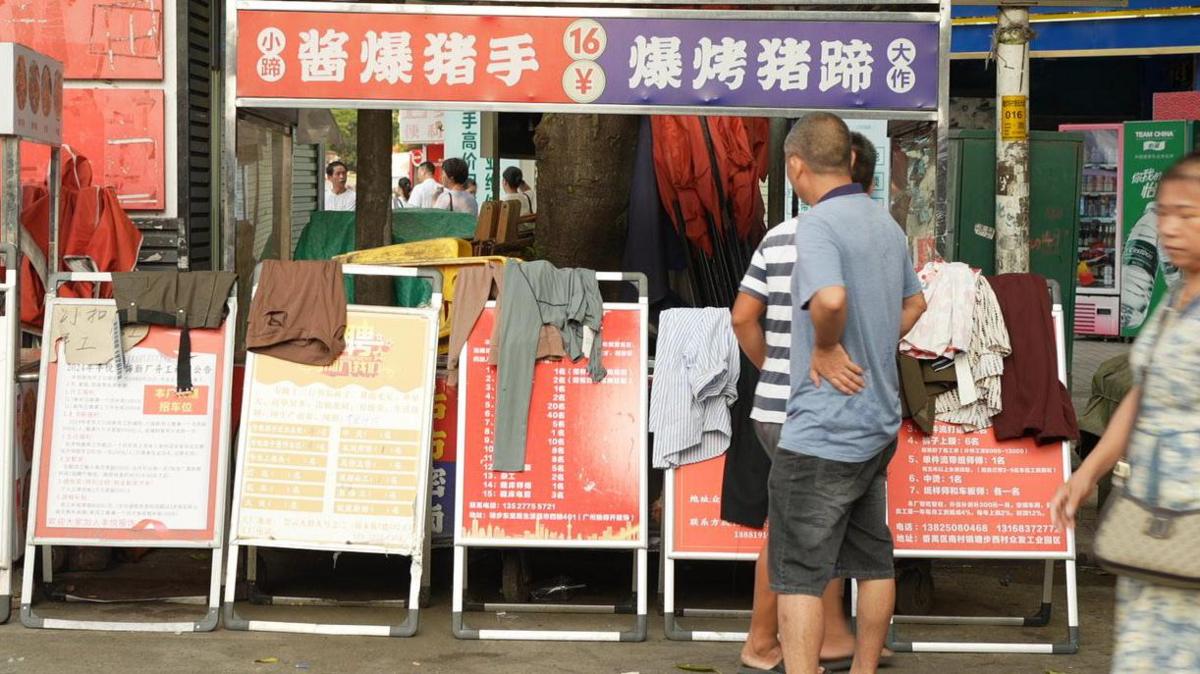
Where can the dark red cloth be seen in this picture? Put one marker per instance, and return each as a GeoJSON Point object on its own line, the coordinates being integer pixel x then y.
{"type": "Point", "coordinates": [1036, 404]}
{"type": "Point", "coordinates": [92, 224]}
{"type": "Point", "coordinates": [684, 175]}
{"type": "Point", "coordinates": [694, 178]}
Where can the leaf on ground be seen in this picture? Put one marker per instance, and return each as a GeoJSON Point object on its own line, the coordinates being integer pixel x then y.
{"type": "Point", "coordinates": [267, 661]}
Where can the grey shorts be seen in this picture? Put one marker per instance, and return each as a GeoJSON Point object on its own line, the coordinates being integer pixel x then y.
{"type": "Point", "coordinates": [768, 436]}
{"type": "Point", "coordinates": [827, 519]}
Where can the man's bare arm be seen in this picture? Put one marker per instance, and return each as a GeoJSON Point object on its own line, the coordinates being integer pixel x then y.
{"type": "Point", "coordinates": [830, 361]}
{"type": "Point", "coordinates": [747, 326]}
{"type": "Point", "coordinates": [828, 310]}
{"type": "Point", "coordinates": [914, 306]}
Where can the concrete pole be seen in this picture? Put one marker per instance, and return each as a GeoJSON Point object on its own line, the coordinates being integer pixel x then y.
{"type": "Point", "coordinates": [1012, 140]}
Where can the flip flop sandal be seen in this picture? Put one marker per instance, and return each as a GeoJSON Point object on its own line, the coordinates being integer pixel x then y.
{"type": "Point", "coordinates": [747, 669]}
{"type": "Point", "coordinates": [838, 664]}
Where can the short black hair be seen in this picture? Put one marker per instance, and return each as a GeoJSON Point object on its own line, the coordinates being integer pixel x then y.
{"type": "Point", "coordinates": [331, 166]}
{"type": "Point", "coordinates": [427, 166]}
{"type": "Point", "coordinates": [865, 160]}
{"type": "Point", "coordinates": [822, 140]}
{"type": "Point", "coordinates": [456, 170]}
{"type": "Point", "coordinates": [513, 177]}
{"type": "Point", "coordinates": [404, 184]}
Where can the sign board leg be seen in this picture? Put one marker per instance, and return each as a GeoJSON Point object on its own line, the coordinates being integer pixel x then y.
{"type": "Point", "coordinates": [47, 564]}
{"type": "Point", "coordinates": [1041, 618]}
{"type": "Point", "coordinates": [5, 595]}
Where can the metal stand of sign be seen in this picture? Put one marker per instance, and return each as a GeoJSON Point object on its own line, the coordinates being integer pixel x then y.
{"type": "Point", "coordinates": [1039, 619]}
{"type": "Point", "coordinates": [463, 543]}
{"type": "Point", "coordinates": [257, 595]}
{"type": "Point", "coordinates": [234, 620]}
{"type": "Point", "coordinates": [671, 614]}
{"type": "Point", "coordinates": [10, 335]}
{"type": "Point", "coordinates": [210, 539]}
{"type": "Point", "coordinates": [17, 128]}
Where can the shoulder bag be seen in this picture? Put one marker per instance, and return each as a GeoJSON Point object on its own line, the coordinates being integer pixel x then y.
{"type": "Point", "coordinates": [1140, 539]}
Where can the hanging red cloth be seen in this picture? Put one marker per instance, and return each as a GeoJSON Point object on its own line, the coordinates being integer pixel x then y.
{"type": "Point", "coordinates": [92, 225]}
{"type": "Point", "coordinates": [684, 175]}
{"type": "Point", "coordinates": [739, 168]}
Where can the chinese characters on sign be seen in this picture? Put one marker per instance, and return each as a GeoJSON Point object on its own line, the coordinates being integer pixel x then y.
{"type": "Point", "coordinates": [583, 450]}
{"type": "Point", "coordinates": [970, 492]}
{"type": "Point", "coordinates": [445, 452]}
{"type": "Point", "coordinates": [332, 455]}
{"type": "Point", "coordinates": [629, 61]}
{"type": "Point", "coordinates": [697, 526]}
{"type": "Point", "coordinates": [127, 454]}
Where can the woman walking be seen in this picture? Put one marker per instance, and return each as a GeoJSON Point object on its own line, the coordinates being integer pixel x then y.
{"type": "Point", "coordinates": [1157, 430]}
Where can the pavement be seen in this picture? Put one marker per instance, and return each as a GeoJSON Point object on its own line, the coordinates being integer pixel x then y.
{"type": "Point", "coordinates": [1010, 588]}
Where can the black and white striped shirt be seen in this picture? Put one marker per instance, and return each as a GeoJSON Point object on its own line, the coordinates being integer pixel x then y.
{"type": "Point", "coordinates": [769, 280]}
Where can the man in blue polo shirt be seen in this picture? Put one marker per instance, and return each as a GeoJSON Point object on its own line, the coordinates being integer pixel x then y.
{"type": "Point", "coordinates": [854, 293]}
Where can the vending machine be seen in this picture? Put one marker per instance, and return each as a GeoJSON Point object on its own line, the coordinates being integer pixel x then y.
{"type": "Point", "coordinates": [1098, 279]}
{"type": "Point", "coordinates": [1150, 148]}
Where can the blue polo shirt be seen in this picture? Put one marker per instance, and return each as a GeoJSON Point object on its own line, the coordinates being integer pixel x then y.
{"type": "Point", "coordinates": [848, 240]}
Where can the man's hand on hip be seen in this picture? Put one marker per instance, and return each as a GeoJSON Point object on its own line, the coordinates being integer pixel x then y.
{"type": "Point", "coordinates": [834, 366]}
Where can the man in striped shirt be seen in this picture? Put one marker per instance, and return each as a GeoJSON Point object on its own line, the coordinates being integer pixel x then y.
{"type": "Point", "coordinates": [762, 321]}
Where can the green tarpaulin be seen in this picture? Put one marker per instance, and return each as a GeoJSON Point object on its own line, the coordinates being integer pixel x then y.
{"type": "Point", "coordinates": [331, 233]}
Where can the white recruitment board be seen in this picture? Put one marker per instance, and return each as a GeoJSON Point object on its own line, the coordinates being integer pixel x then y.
{"type": "Point", "coordinates": [337, 458]}
{"type": "Point", "coordinates": [120, 457]}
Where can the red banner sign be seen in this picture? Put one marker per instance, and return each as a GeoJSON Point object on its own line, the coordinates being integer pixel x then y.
{"type": "Point", "coordinates": [697, 527]}
{"type": "Point", "coordinates": [584, 452]}
{"type": "Point", "coordinates": [969, 492]}
{"type": "Point", "coordinates": [445, 451]}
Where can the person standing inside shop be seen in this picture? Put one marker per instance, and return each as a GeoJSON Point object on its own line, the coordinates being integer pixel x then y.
{"type": "Point", "coordinates": [1157, 430]}
{"type": "Point", "coordinates": [426, 189]}
{"type": "Point", "coordinates": [454, 196]}
{"type": "Point", "coordinates": [338, 195]}
{"type": "Point", "coordinates": [400, 199]}
{"type": "Point", "coordinates": [762, 316]}
{"type": "Point", "coordinates": [854, 292]}
{"type": "Point", "coordinates": [511, 183]}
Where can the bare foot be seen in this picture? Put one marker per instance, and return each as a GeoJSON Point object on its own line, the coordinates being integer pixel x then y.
{"type": "Point", "coordinates": [762, 658]}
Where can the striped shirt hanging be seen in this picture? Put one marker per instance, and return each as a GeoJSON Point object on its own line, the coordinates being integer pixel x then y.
{"type": "Point", "coordinates": [695, 381]}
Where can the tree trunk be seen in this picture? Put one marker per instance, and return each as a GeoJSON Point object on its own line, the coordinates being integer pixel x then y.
{"type": "Point", "coordinates": [584, 168]}
{"type": "Point", "coordinates": [373, 205]}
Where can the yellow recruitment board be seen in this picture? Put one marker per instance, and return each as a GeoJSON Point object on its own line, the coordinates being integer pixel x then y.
{"type": "Point", "coordinates": [337, 457]}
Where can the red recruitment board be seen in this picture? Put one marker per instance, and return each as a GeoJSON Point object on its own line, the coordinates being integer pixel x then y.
{"type": "Point", "coordinates": [967, 493]}
{"type": "Point", "coordinates": [585, 453]}
{"type": "Point", "coordinates": [126, 459]}
{"type": "Point", "coordinates": [445, 451]}
{"type": "Point", "coordinates": [697, 529]}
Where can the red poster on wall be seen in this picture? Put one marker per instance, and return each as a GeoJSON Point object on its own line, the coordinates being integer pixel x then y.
{"type": "Point", "coordinates": [585, 454]}
{"type": "Point", "coordinates": [122, 132]}
{"type": "Point", "coordinates": [696, 524]}
{"type": "Point", "coordinates": [95, 39]}
{"type": "Point", "coordinates": [957, 491]}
